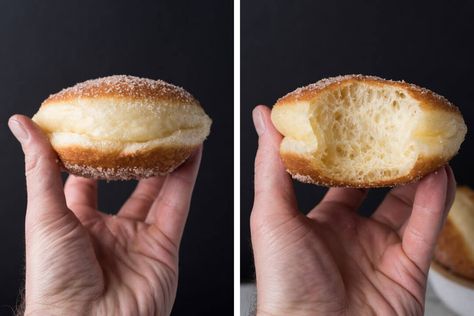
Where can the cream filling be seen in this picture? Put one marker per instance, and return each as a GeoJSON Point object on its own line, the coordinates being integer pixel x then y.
{"type": "Point", "coordinates": [107, 119]}
{"type": "Point", "coordinates": [122, 125]}
{"type": "Point", "coordinates": [178, 139]}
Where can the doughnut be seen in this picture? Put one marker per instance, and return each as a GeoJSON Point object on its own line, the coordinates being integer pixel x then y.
{"type": "Point", "coordinates": [364, 131]}
{"type": "Point", "coordinates": [455, 247]}
{"type": "Point", "coordinates": [123, 127]}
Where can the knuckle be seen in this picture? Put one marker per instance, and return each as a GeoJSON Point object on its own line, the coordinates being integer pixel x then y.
{"type": "Point", "coordinates": [259, 163]}
{"type": "Point", "coordinates": [143, 197]}
{"type": "Point", "coordinates": [32, 163]}
{"type": "Point", "coordinates": [263, 193]}
{"type": "Point", "coordinates": [183, 179]}
{"type": "Point", "coordinates": [169, 203]}
{"type": "Point", "coordinates": [418, 236]}
{"type": "Point", "coordinates": [255, 220]}
{"type": "Point", "coordinates": [258, 219]}
{"type": "Point", "coordinates": [433, 211]}
{"type": "Point", "coordinates": [36, 163]}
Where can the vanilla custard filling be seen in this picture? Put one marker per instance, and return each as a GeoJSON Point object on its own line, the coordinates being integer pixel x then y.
{"type": "Point", "coordinates": [127, 125]}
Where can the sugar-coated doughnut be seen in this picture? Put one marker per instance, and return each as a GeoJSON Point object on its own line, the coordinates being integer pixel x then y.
{"type": "Point", "coordinates": [364, 131]}
{"type": "Point", "coordinates": [455, 247]}
{"type": "Point", "coordinates": [123, 127]}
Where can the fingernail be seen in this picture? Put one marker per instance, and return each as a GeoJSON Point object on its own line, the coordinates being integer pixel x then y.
{"type": "Point", "coordinates": [18, 130]}
{"type": "Point", "coordinates": [258, 121]}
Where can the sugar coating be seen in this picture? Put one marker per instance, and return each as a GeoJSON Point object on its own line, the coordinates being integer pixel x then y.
{"type": "Point", "coordinates": [323, 83]}
{"type": "Point", "coordinates": [129, 173]}
{"type": "Point", "coordinates": [328, 183]}
{"type": "Point", "coordinates": [124, 86]}
{"type": "Point", "coordinates": [301, 177]}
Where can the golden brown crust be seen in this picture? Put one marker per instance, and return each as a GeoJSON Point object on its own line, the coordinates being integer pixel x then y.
{"type": "Point", "coordinates": [124, 87]}
{"type": "Point", "coordinates": [301, 168]}
{"type": "Point", "coordinates": [427, 98]}
{"type": "Point", "coordinates": [451, 251]}
{"type": "Point", "coordinates": [466, 191]}
{"type": "Point", "coordinates": [91, 163]}
{"type": "Point", "coordinates": [447, 273]}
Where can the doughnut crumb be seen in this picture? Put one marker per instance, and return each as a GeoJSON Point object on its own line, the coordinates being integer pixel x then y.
{"type": "Point", "coordinates": [364, 131]}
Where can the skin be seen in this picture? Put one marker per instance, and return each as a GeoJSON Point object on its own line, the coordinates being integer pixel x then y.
{"type": "Point", "coordinates": [333, 261]}
{"type": "Point", "coordinates": [80, 261]}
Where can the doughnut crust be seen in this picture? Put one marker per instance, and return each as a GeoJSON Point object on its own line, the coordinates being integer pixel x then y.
{"type": "Point", "coordinates": [364, 131]}
{"type": "Point", "coordinates": [123, 127]}
{"type": "Point", "coordinates": [455, 246]}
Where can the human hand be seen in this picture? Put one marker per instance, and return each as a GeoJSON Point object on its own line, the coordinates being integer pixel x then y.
{"type": "Point", "coordinates": [80, 261]}
{"type": "Point", "coordinates": [333, 261]}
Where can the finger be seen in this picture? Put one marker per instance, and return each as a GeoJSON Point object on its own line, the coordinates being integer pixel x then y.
{"type": "Point", "coordinates": [273, 186]}
{"type": "Point", "coordinates": [139, 203]}
{"type": "Point", "coordinates": [451, 192]}
{"type": "Point", "coordinates": [80, 191]}
{"type": "Point", "coordinates": [81, 196]}
{"type": "Point", "coordinates": [170, 209]}
{"type": "Point", "coordinates": [396, 208]}
{"type": "Point", "coordinates": [348, 199]}
{"type": "Point", "coordinates": [43, 177]}
{"type": "Point", "coordinates": [426, 220]}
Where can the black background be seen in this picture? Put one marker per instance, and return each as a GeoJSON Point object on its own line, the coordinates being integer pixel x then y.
{"type": "Point", "coordinates": [48, 45]}
{"type": "Point", "coordinates": [287, 44]}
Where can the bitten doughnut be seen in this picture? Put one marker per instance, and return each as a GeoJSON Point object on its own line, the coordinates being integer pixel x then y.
{"type": "Point", "coordinates": [123, 127]}
{"type": "Point", "coordinates": [364, 131]}
{"type": "Point", "coordinates": [455, 247]}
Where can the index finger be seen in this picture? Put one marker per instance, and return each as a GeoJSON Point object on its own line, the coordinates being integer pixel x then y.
{"type": "Point", "coordinates": [429, 211]}
{"type": "Point", "coordinates": [170, 209]}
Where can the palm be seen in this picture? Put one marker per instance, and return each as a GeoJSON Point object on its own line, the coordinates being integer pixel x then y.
{"type": "Point", "coordinates": [124, 264]}
{"type": "Point", "coordinates": [136, 261]}
{"type": "Point", "coordinates": [374, 268]}
{"type": "Point", "coordinates": [118, 264]}
{"type": "Point", "coordinates": [337, 262]}
{"type": "Point", "coordinates": [358, 261]}
{"type": "Point", "coordinates": [80, 261]}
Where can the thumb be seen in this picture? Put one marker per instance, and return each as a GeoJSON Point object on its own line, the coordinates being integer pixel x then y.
{"type": "Point", "coordinates": [273, 186]}
{"type": "Point", "coordinates": [43, 178]}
